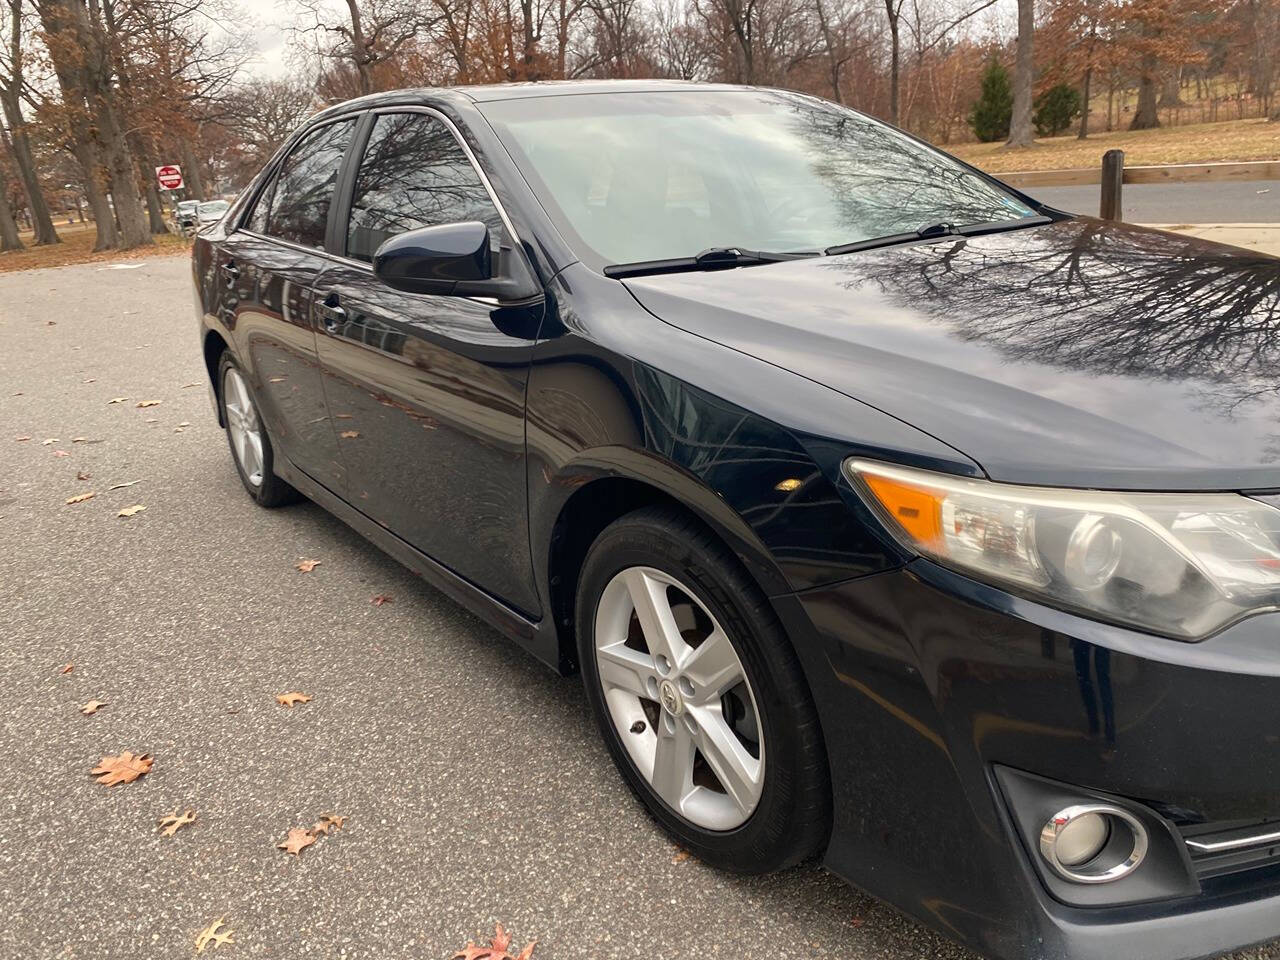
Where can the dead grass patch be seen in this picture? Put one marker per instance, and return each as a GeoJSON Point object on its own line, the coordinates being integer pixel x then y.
{"type": "Point", "coordinates": [77, 247]}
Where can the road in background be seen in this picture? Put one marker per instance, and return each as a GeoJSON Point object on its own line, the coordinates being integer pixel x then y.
{"type": "Point", "coordinates": [1251, 201]}
{"type": "Point", "coordinates": [475, 783]}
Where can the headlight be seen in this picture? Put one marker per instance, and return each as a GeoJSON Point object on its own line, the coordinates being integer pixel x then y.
{"type": "Point", "coordinates": [1181, 564]}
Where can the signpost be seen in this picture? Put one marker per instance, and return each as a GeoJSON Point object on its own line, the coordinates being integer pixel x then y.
{"type": "Point", "coordinates": [169, 177]}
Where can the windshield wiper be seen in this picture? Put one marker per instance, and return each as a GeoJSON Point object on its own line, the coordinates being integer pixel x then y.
{"type": "Point", "coordinates": [933, 231]}
{"type": "Point", "coordinates": [713, 258]}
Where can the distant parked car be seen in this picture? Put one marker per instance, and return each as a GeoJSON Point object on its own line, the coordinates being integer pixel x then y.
{"type": "Point", "coordinates": [187, 213]}
{"type": "Point", "coordinates": [890, 515]}
{"type": "Point", "coordinates": [211, 212]}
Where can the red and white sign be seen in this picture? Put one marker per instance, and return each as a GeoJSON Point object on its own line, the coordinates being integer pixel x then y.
{"type": "Point", "coordinates": [170, 177]}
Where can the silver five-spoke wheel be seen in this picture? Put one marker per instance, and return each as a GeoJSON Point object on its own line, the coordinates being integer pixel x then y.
{"type": "Point", "coordinates": [679, 698]}
{"type": "Point", "coordinates": [243, 425]}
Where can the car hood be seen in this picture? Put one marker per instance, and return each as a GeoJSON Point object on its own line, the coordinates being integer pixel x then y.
{"type": "Point", "coordinates": [1079, 353]}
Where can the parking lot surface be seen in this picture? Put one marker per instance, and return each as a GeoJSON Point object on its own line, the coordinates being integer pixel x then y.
{"type": "Point", "coordinates": [473, 779]}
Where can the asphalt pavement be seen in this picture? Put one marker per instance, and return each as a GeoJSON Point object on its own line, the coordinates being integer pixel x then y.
{"type": "Point", "coordinates": [474, 783]}
{"type": "Point", "coordinates": [1249, 201]}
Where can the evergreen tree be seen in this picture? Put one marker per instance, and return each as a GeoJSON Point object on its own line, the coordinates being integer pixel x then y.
{"type": "Point", "coordinates": [993, 112]}
{"type": "Point", "coordinates": [1055, 109]}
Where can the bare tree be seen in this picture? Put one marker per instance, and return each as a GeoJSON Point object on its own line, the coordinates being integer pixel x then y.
{"type": "Point", "coordinates": [12, 87]}
{"type": "Point", "coordinates": [373, 33]}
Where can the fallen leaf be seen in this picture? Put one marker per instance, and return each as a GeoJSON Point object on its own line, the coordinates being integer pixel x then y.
{"type": "Point", "coordinates": [79, 439]}
{"type": "Point", "coordinates": [21, 439]}
{"type": "Point", "coordinates": [81, 497]}
{"type": "Point", "coordinates": [680, 857]}
{"type": "Point", "coordinates": [382, 598]}
{"type": "Point", "coordinates": [67, 669]}
{"type": "Point", "coordinates": [61, 453]}
{"type": "Point", "coordinates": [277, 379]}
{"type": "Point", "coordinates": [299, 839]}
{"type": "Point", "coordinates": [327, 822]}
{"type": "Point", "coordinates": [349, 434]}
{"type": "Point", "coordinates": [306, 566]}
{"type": "Point", "coordinates": [152, 420]}
{"type": "Point", "coordinates": [45, 443]}
{"type": "Point", "coordinates": [92, 706]}
{"type": "Point", "coordinates": [497, 949]}
{"type": "Point", "coordinates": [121, 486]}
{"type": "Point", "coordinates": [125, 768]}
{"type": "Point", "coordinates": [130, 511]}
{"type": "Point", "coordinates": [176, 821]}
{"type": "Point", "coordinates": [116, 400]}
{"type": "Point", "coordinates": [210, 935]}
{"type": "Point", "coordinates": [90, 380]}
{"type": "Point", "coordinates": [289, 699]}
{"type": "Point", "coordinates": [191, 384]}
{"type": "Point", "coordinates": [81, 475]}
{"type": "Point", "coordinates": [342, 416]}
{"type": "Point", "coordinates": [148, 403]}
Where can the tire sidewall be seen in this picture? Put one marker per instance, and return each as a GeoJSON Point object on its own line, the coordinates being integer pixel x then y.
{"type": "Point", "coordinates": [263, 492]}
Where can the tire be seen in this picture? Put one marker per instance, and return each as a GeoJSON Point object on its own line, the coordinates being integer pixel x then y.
{"type": "Point", "coordinates": [664, 550]}
{"type": "Point", "coordinates": [259, 478]}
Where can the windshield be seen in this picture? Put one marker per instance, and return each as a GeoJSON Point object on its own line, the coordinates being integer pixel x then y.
{"type": "Point", "coordinates": [633, 177]}
{"type": "Point", "coordinates": [214, 208]}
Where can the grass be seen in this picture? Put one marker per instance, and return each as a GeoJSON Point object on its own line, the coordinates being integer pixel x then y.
{"type": "Point", "coordinates": [77, 247]}
{"type": "Point", "coordinates": [1230, 140]}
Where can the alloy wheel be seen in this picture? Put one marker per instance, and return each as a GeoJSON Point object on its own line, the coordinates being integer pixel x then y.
{"type": "Point", "coordinates": [244, 426]}
{"type": "Point", "coordinates": [679, 697]}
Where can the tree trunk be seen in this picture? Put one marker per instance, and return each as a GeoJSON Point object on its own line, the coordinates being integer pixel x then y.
{"type": "Point", "coordinates": [360, 49]}
{"type": "Point", "coordinates": [1024, 75]}
{"type": "Point", "coordinates": [191, 172]}
{"type": "Point", "coordinates": [1084, 111]}
{"type": "Point", "coordinates": [20, 148]}
{"type": "Point", "coordinates": [151, 192]}
{"type": "Point", "coordinates": [895, 63]}
{"type": "Point", "coordinates": [99, 208]}
{"type": "Point", "coordinates": [9, 239]}
{"type": "Point", "coordinates": [1147, 116]}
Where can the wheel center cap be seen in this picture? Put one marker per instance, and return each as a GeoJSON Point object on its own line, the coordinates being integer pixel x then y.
{"type": "Point", "coordinates": [672, 702]}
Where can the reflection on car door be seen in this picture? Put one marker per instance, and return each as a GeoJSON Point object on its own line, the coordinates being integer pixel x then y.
{"type": "Point", "coordinates": [269, 267]}
{"type": "Point", "coordinates": [427, 392]}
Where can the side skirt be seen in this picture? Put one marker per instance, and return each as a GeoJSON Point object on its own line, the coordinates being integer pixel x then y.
{"type": "Point", "coordinates": [537, 637]}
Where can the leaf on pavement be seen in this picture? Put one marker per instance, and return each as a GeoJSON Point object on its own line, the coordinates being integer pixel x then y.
{"type": "Point", "coordinates": [22, 438]}
{"type": "Point", "coordinates": [298, 839]}
{"type": "Point", "coordinates": [45, 443]}
{"type": "Point", "coordinates": [116, 400]}
{"type": "Point", "coordinates": [290, 698]}
{"type": "Point", "coordinates": [171, 824]}
{"type": "Point", "coordinates": [90, 380]}
{"type": "Point", "coordinates": [193, 383]}
{"type": "Point", "coordinates": [148, 403]}
{"type": "Point", "coordinates": [92, 707]}
{"type": "Point", "coordinates": [82, 475]}
{"type": "Point", "coordinates": [497, 949]}
{"type": "Point", "coordinates": [61, 453]}
{"type": "Point", "coordinates": [130, 511]}
{"type": "Point", "coordinates": [121, 486]}
{"type": "Point", "coordinates": [67, 669]}
{"type": "Point", "coordinates": [125, 768]}
{"type": "Point", "coordinates": [81, 497]}
{"type": "Point", "coordinates": [79, 439]}
{"type": "Point", "coordinates": [277, 379]}
{"type": "Point", "coordinates": [382, 598]}
{"type": "Point", "coordinates": [211, 935]}
{"type": "Point", "coordinates": [306, 566]}
{"type": "Point", "coordinates": [327, 822]}
{"type": "Point", "coordinates": [349, 434]}
{"type": "Point", "coordinates": [681, 856]}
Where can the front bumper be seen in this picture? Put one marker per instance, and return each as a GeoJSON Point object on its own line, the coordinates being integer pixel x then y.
{"type": "Point", "coordinates": [928, 683]}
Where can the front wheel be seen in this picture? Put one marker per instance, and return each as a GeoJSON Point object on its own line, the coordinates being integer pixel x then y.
{"type": "Point", "coordinates": [699, 695]}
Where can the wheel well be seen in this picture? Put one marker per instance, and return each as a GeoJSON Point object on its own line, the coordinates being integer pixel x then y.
{"type": "Point", "coordinates": [214, 345]}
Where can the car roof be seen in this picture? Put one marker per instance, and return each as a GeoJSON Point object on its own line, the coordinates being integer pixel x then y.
{"type": "Point", "coordinates": [486, 93]}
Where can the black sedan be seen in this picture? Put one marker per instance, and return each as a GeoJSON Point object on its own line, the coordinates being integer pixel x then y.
{"type": "Point", "coordinates": [889, 516]}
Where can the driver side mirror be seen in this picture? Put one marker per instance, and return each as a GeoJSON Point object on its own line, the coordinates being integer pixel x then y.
{"type": "Point", "coordinates": [452, 258]}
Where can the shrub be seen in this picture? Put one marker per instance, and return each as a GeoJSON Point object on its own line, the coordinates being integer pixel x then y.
{"type": "Point", "coordinates": [1055, 109]}
{"type": "Point", "coordinates": [994, 110]}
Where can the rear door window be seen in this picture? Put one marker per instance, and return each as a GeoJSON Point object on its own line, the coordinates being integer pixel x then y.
{"type": "Point", "coordinates": [414, 174]}
{"type": "Point", "coordinates": [304, 186]}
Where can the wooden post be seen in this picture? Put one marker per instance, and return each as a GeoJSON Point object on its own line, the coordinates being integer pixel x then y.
{"type": "Point", "coordinates": [1112, 182]}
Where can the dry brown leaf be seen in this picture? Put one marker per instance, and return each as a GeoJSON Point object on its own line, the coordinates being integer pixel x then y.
{"type": "Point", "coordinates": [116, 400]}
{"type": "Point", "coordinates": [327, 822]}
{"type": "Point", "coordinates": [120, 486]}
{"type": "Point", "coordinates": [186, 385]}
{"type": "Point", "coordinates": [61, 453]}
{"type": "Point", "coordinates": [125, 768]}
{"type": "Point", "coordinates": [680, 857]}
{"type": "Point", "coordinates": [292, 697]}
{"type": "Point", "coordinates": [185, 423]}
{"type": "Point", "coordinates": [382, 598]}
{"type": "Point", "coordinates": [148, 403]}
{"type": "Point", "coordinates": [79, 439]}
{"type": "Point", "coordinates": [81, 497]}
{"type": "Point", "coordinates": [171, 824]}
{"type": "Point", "coordinates": [90, 380]}
{"type": "Point", "coordinates": [92, 707]}
{"type": "Point", "coordinates": [210, 935]}
{"type": "Point", "coordinates": [277, 379]}
{"type": "Point", "coordinates": [67, 669]}
{"type": "Point", "coordinates": [82, 475]}
{"type": "Point", "coordinates": [298, 839]}
{"type": "Point", "coordinates": [45, 443]}
{"type": "Point", "coordinates": [22, 438]}
{"type": "Point", "coordinates": [497, 949]}
{"type": "Point", "coordinates": [342, 416]}
{"type": "Point", "coordinates": [349, 434]}
{"type": "Point", "coordinates": [130, 511]}
{"type": "Point", "coordinates": [306, 566]}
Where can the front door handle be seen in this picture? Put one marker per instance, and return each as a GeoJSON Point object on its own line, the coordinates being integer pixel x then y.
{"type": "Point", "coordinates": [231, 272]}
{"type": "Point", "coordinates": [332, 314]}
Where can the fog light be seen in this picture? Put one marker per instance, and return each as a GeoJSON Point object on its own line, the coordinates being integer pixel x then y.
{"type": "Point", "coordinates": [1093, 843]}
